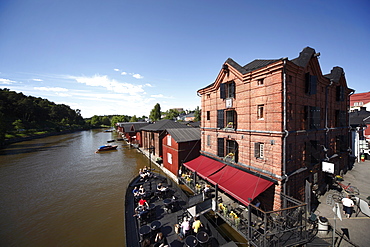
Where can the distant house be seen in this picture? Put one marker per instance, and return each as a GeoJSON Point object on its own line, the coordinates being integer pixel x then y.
{"type": "Point", "coordinates": [180, 145]}
{"type": "Point", "coordinates": [187, 117]}
{"type": "Point", "coordinates": [131, 131]}
{"type": "Point", "coordinates": [359, 100]}
{"type": "Point", "coordinates": [152, 135]}
{"type": "Point", "coordinates": [360, 129]}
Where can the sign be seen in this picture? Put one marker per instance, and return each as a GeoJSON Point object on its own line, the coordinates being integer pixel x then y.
{"type": "Point", "coordinates": [328, 167]}
{"type": "Point", "coordinates": [229, 103]}
{"type": "Point", "coordinates": [336, 211]}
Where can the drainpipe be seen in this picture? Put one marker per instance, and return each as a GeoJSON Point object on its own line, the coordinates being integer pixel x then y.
{"type": "Point", "coordinates": [284, 125]}
{"type": "Point", "coordinates": [326, 116]}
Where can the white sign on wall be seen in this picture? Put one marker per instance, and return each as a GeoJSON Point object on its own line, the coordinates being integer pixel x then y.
{"type": "Point", "coordinates": [328, 167]}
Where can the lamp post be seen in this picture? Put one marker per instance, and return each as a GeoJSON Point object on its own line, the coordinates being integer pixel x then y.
{"type": "Point", "coordinates": [151, 148]}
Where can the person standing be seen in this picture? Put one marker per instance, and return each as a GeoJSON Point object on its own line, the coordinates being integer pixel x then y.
{"type": "Point", "coordinates": [348, 205]}
{"type": "Point", "coordinates": [196, 224]}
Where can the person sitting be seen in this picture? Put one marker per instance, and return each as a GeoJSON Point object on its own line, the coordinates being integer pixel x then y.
{"type": "Point", "coordinates": [206, 192]}
{"type": "Point", "coordinates": [135, 191]}
{"type": "Point", "coordinates": [143, 203]}
{"type": "Point", "coordinates": [196, 224]}
{"type": "Point", "coordinates": [142, 174]}
{"type": "Point", "coordinates": [160, 240]}
{"type": "Point", "coordinates": [161, 190]}
{"type": "Point", "coordinates": [141, 191]}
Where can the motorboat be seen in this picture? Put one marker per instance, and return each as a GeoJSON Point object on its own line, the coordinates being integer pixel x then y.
{"type": "Point", "coordinates": [107, 147]}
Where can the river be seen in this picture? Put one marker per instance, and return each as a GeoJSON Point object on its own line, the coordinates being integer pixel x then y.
{"type": "Point", "coordinates": [56, 191]}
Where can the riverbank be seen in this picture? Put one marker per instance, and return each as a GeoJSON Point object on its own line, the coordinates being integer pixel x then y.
{"type": "Point", "coordinates": [31, 136]}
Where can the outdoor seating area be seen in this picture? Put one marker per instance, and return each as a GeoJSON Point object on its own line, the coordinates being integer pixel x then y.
{"type": "Point", "coordinates": [260, 228]}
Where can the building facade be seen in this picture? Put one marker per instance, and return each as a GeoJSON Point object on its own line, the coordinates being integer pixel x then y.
{"type": "Point", "coordinates": [180, 145]}
{"type": "Point", "coordinates": [279, 119]}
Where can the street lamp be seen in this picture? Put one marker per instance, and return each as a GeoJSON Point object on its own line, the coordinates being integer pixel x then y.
{"type": "Point", "coordinates": [151, 148]}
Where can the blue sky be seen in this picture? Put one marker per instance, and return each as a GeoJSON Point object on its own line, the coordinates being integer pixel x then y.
{"type": "Point", "coordinates": [122, 57]}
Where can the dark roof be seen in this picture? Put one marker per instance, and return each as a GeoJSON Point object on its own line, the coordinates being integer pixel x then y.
{"type": "Point", "coordinates": [304, 57]}
{"type": "Point", "coordinates": [335, 74]}
{"type": "Point", "coordinates": [163, 125]}
{"type": "Point", "coordinates": [185, 135]}
{"type": "Point", "coordinates": [258, 63]}
{"type": "Point", "coordinates": [359, 118]}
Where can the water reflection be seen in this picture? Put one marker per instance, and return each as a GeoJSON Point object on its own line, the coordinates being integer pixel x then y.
{"type": "Point", "coordinates": [56, 191]}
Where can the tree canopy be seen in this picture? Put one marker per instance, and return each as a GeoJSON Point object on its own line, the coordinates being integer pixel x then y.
{"type": "Point", "coordinates": [155, 113]}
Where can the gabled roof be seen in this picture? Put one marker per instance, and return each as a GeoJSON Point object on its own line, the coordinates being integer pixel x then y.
{"type": "Point", "coordinates": [185, 135]}
{"type": "Point", "coordinates": [304, 57]}
{"type": "Point", "coordinates": [335, 74]}
{"type": "Point", "coordinates": [163, 125]}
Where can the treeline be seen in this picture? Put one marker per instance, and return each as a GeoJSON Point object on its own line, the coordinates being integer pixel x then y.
{"type": "Point", "coordinates": [19, 112]}
{"type": "Point", "coordinates": [111, 120]}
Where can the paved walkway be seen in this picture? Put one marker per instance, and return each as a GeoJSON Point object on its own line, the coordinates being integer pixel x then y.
{"type": "Point", "coordinates": [354, 231]}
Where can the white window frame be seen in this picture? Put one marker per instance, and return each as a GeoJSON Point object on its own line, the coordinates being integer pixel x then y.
{"type": "Point", "coordinates": [169, 158]}
{"type": "Point", "coordinates": [169, 140]}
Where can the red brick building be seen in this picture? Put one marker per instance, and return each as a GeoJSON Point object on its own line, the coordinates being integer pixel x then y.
{"type": "Point", "coordinates": [278, 119]}
{"type": "Point", "coordinates": [180, 145]}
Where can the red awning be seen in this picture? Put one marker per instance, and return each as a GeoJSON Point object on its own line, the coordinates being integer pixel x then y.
{"type": "Point", "coordinates": [239, 184]}
{"type": "Point", "coordinates": [204, 166]}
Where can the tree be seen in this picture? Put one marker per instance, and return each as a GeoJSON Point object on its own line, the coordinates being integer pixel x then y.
{"type": "Point", "coordinates": [18, 124]}
{"type": "Point", "coordinates": [197, 114]}
{"type": "Point", "coordinates": [133, 119]}
{"type": "Point", "coordinates": [155, 113]}
{"type": "Point", "coordinates": [172, 114]}
{"type": "Point", "coordinates": [105, 121]}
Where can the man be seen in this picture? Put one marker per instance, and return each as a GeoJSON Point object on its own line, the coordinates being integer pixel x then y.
{"type": "Point", "coordinates": [348, 205]}
{"type": "Point", "coordinates": [196, 224]}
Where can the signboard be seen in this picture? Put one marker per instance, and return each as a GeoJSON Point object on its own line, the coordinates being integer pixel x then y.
{"type": "Point", "coordinates": [229, 103]}
{"type": "Point", "coordinates": [328, 167]}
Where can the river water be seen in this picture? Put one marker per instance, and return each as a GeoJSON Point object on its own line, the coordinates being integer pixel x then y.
{"type": "Point", "coordinates": [56, 191]}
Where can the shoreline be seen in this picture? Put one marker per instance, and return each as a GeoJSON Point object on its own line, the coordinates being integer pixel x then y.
{"type": "Point", "coordinates": [36, 136]}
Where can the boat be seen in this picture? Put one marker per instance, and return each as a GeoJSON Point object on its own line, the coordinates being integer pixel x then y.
{"type": "Point", "coordinates": [111, 140]}
{"type": "Point", "coordinates": [165, 212]}
{"type": "Point", "coordinates": [107, 147]}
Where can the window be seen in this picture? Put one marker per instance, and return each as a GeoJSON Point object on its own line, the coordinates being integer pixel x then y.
{"type": "Point", "coordinates": [312, 117]}
{"type": "Point", "coordinates": [260, 82]}
{"type": "Point", "coordinates": [169, 158]}
{"type": "Point", "coordinates": [226, 119]}
{"type": "Point", "coordinates": [312, 152]}
{"type": "Point", "coordinates": [220, 147]}
{"type": "Point", "coordinates": [340, 93]}
{"type": "Point", "coordinates": [231, 119]}
{"type": "Point", "coordinates": [168, 140]}
{"type": "Point", "coordinates": [311, 84]}
{"type": "Point", "coordinates": [228, 149]}
{"type": "Point", "coordinates": [208, 140]}
{"type": "Point", "coordinates": [340, 118]}
{"type": "Point", "coordinates": [355, 104]}
{"type": "Point", "coordinates": [360, 103]}
{"type": "Point", "coordinates": [208, 115]}
{"type": "Point", "coordinates": [227, 90]}
{"type": "Point", "coordinates": [340, 144]}
{"type": "Point", "coordinates": [259, 150]}
{"type": "Point", "coordinates": [260, 111]}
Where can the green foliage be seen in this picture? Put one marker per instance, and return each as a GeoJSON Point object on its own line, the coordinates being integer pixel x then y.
{"type": "Point", "coordinates": [197, 114]}
{"type": "Point", "coordinates": [19, 111]}
{"type": "Point", "coordinates": [133, 119]}
{"type": "Point", "coordinates": [171, 114]}
{"type": "Point", "coordinates": [18, 125]}
{"type": "Point", "coordinates": [155, 113]}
